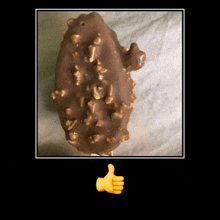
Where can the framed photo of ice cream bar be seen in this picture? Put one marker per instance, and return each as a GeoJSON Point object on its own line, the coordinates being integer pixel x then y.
{"type": "Point", "coordinates": [109, 84]}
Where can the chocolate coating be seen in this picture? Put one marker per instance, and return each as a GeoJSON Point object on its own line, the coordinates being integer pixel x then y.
{"type": "Point", "coordinates": [93, 87]}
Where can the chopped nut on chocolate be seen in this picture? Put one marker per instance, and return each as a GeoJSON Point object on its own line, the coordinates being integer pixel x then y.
{"type": "Point", "coordinates": [73, 135]}
{"type": "Point", "coordinates": [87, 121]}
{"type": "Point", "coordinates": [53, 95]}
{"type": "Point", "coordinates": [117, 115]}
{"type": "Point", "coordinates": [91, 105]}
{"type": "Point", "coordinates": [81, 100]}
{"type": "Point", "coordinates": [94, 138]}
{"type": "Point", "coordinates": [92, 50]}
{"type": "Point", "coordinates": [70, 124]}
{"type": "Point", "coordinates": [97, 40]}
{"type": "Point", "coordinates": [74, 38]}
{"type": "Point", "coordinates": [96, 93]}
{"type": "Point", "coordinates": [108, 100]}
{"type": "Point", "coordinates": [100, 123]}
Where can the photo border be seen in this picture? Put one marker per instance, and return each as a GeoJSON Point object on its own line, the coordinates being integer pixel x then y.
{"type": "Point", "coordinates": [110, 157]}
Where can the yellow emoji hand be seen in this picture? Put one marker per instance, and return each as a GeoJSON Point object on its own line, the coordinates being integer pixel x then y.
{"type": "Point", "coordinates": [110, 183]}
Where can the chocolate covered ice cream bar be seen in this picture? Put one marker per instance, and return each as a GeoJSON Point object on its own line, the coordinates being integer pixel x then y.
{"type": "Point", "coordinates": [93, 86]}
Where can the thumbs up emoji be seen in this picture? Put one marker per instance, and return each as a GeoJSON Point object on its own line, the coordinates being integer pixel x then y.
{"type": "Point", "coordinates": [110, 183]}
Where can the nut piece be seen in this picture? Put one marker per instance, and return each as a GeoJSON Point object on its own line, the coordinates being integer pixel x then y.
{"type": "Point", "coordinates": [123, 107]}
{"type": "Point", "coordinates": [87, 121]}
{"type": "Point", "coordinates": [62, 92]}
{"type": "Point", "coordinates": [133, 96]}
{"type": "Point", "coordinates": [126, 136]}
{"type": "Point", "coordinates": [96, 93]}
{"type": "Point", "coordinates": [53, 94]}
{"type": "Point", "coordinates": [73, 142]}
{"type": "Point", "coordinates": [116, 115]}
{"type": "Point", "coordinates": [97, 40]}
{"type": "Point", "coordinates": [99, 68]}
{"type": "Point", "coordinates": [92, 105]}
{"type": "Point", "coordinates": [59, 92]}
{"type": "Point", "coordinates": [81, 101]}
{"type": "Point", "coordinates": [68, 111]}
{"type": "Point", "coordinates": [74, 38]}
{"type": "Point", "coordinates": [73, 135]}
{"type": "Point", "coordinates": [109, 100]}
{"type": "Point", "coordinates": [110, 90]}
{"type": "Point", "coordinates": [100, 77]}
{"type": "Point", "coordinates": [77, 74]}
{"type": "Point", "coordinates": [87, 88]}
{"type": "Point", "coordinates": [111, 140]}
{"type": "Point", "coordinates": [75, 55]}
{"type": "Point", "coordinates": [100, 123]}
{"type": "Point", "coordinates": [133, 84]}
{"type": "Point", "coordinates": [131, 105]}
{"type": "Point", "coordinates": [94, 138]}
{"type": "Point", "coordinates": [70, 124]}
{"type": "Point", "coordinates": [92, 50]}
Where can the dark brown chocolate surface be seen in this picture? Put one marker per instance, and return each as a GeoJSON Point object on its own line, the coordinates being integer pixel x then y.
{"type": "Point", "coordinates": [93, 86]}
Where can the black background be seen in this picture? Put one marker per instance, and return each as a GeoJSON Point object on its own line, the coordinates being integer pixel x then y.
{"type": "Point", "coordinates": [68, 186]}
{"type": "Point", "coordinates": [52, 186]}
{"type": "Point", "coordinates": [70, 183]}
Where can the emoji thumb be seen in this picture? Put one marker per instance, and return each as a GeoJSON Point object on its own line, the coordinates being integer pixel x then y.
{"type": "Point", "coordinates": [111, 169]}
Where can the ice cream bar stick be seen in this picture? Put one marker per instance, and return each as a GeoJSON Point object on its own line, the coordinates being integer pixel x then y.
{"type": "Point", "coordinates": [109, 154]}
